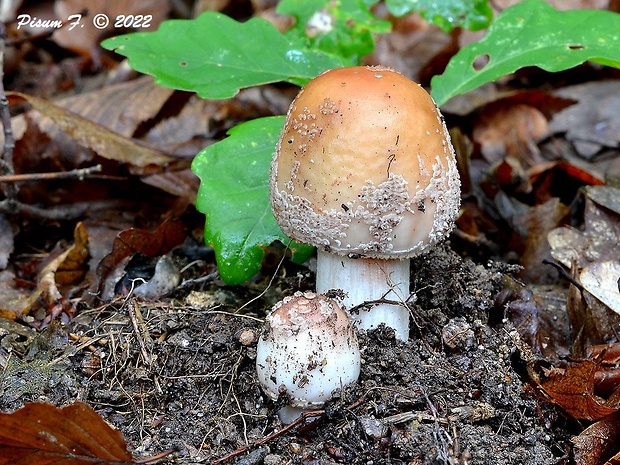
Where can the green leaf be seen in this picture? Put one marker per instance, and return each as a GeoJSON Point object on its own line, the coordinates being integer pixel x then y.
{"type": "Point", "coordinates": [339, 27]}
{"type": "Point", "coordinates": [532, 33]}
{"type": "Point", "coordinates": [216, 56]}
{"type": "Point", "coordinates": [234, 196]}
{"type": "Point", "coordinates": [470, 14]}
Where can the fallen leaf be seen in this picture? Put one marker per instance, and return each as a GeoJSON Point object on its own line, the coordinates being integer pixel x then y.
{"type": "Point", "coordinates": [183, 184]}
{"type": "Point", "coordinates": [593, 323]}
{"type": "Point", "coordinates": [590, 307]}
{"type": "Point", "coordinates": [40, 433]}
{"type": "Point", "coordinates": [597, 441]}
{"type": "Point", "coordinates": [538, 313]}
{"type": "Point", "coordinates": [592, 124]}
{"type": "Point", "coordinates": [121, 108]}
{"type": "Point", "coordinates": [602, 280]}
{"type": "Point", "coordinates": [599, 239]}
{"type": "Point", "coordinates": [510, 131]}
{"type": "Point", "coordinates": [534, 225]}
{"type": "Point", "coordinates": [165, 279]}
{"type": "Point", "coordinates": [12, 298]}
{"type": "Point", "coordinates": [559, 179]}
{"type": "Point", "coordinates": [75, 265]}
{"type": "Point", "coordinates": [608, 198]}
{"type": "Point", "coordinates": [106, 143]}
{"type": "Point", "coordinates": [129, 242]}
{"type": "Point", "coordinates": [60, 267]}
{"type": "Point", "coordinates": [572, 388]}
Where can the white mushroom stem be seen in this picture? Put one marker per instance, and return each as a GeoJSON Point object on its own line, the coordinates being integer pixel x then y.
{"type": "Point", "coordinates": [364, 280]}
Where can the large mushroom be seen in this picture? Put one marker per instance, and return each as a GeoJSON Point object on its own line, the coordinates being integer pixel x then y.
{"type": "Point", "coordinates": [365, 171]}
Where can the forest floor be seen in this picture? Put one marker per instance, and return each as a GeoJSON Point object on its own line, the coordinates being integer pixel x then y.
{"type": "Point", "coordinates": [180, 374]}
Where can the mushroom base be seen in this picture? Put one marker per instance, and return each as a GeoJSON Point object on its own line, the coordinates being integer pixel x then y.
{"type": "Point", "coordinates": [366, 280]}
{"type": "Point", "coordinates": [288, 413]}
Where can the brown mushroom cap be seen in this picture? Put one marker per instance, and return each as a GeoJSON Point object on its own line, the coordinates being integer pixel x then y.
{"type": "Point", "coordinates": [365, 166]}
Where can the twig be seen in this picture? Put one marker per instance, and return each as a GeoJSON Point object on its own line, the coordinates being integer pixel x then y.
{"type": "Point", "coordinates": [157, 457]}
{"type": "Point", "coordinates": [271, 437]}
{"type": "Point", "coordinates": [564, 274]}
{"type": "Point", "coordinates": [315, 414]}
{"type": "Point", "coordinates": [134, 315]}
{"type": "Point", "coordinates": [83, 342]}
{"type": "Point", "coordinates": [79, 174]}
{"type": "Point", "coordinates": [62, 212]}
{"type": "Point", "coordinates": [268, 285]}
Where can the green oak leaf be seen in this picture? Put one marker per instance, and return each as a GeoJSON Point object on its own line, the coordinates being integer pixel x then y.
{"type": "Point", "coordinates": [531, 33]}
{"type": "Point", "coordinates": [216, 56]}
{"type": "Point", "coordinates": [234, 196]}
{"type": "Point", "coordinates": [470, 14]}
{"type": "Point", "coordinates": [340, 27]}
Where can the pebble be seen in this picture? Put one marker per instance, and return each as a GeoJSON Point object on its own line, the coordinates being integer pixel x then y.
{"type": "Point", "coordinates": [374, 428]}
{"type": "Point", "coordinates": [273, 459]}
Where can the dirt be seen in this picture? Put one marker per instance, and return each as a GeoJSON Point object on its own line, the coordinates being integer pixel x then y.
{"type": "Point", "coordinates": [179, 374]}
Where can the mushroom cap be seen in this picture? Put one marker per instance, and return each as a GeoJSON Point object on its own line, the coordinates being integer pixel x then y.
{"type": "Point", "coordinates": [308, 349]}
{"type": "Point", "coordinates": [364, 166]}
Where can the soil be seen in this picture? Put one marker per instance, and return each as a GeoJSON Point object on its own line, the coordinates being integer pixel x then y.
{"type": "Point", "coordinates": [180, 374]}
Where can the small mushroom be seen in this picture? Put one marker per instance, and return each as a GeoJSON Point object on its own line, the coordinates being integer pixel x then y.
{"type": "Point", "coordinates": [365, 171]}
{"type": "Point", "coordinates": [308, 349]}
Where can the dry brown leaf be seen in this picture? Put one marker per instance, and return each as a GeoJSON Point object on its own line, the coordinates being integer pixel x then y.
{"type": "Point", "coordinates": [121, 108]}
{"type": "Point", "coordinates": [129, 242]}
{"type": "Point", "coordinates": [511, 131]}
{"type": "Point", "coordinates": [602, 280]}
{"type": "Point", "coordinates": [75, 265]}
{"type": "Point", "coordinates": [593, 254]}
{"type": "Point", "coordinates": [538, 313]}
{"type": "Point", "coordinates": [592, 124]}
{"type": "Point", "coordinates": [106, 143]}
{"type": "Point", "coordinates": [599, 239]}
{"type": "Point", "coordinates": [59, 268]}
{"type": "Point", "coordinates": [185, 132]}
{"type": "Point", "coordinates": [597, 441]}
{"type": "Point", "coordinates": [534, 226]}
{"type": "Point", "coordinates": [559, 179]}
{"type": "Point", "coordinates": [183, 184]}
{"type": "Point", "coordinates": [572, 388]}
{"type": "Point", "coordinates": [14, 301]}
{"type": "Point", "coordinates": [411, 46]}
{"type": "Point", "coordinates": [40, 434]}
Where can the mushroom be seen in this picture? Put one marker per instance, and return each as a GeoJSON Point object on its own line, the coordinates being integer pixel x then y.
{"type": "Point", "coordinates": [365, 171]}
{"type": "Point", "coordinates": [308, 350]}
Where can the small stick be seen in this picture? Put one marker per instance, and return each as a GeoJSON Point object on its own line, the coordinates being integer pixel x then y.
{"type": "Point", "coordinates": [157, 457]}
{"type": "Point", "coordinates": [564, 274]}
{"type": "Point", "coordinates": [274, 435]}
{"type": "Point", "coordinates": [134, 315]}
{"type": "Point", "coordinates": [80, 174]}
{"type": "Point", "coordinates": [60, 213]}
